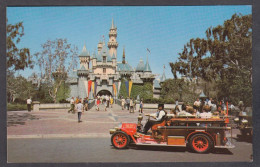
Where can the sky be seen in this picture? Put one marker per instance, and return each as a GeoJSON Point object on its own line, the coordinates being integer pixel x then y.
{"type": "Point", "coordinates": [163, 29]}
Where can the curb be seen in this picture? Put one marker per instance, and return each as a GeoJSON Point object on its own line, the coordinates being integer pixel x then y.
{"type": "Point", "coordinates": [53, 136]}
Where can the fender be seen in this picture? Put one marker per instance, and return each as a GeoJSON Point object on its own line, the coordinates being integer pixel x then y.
{"type": "Point", "coordinates": [129, 129]}
{"type": "Point", "coordinates": [200, 132]}
{"type": "Point", "coordinates": [129, 134]}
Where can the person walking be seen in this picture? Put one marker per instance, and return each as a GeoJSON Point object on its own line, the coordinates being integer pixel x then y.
{"type": "Point", "coordinates": [141, 106]}
{"type": "Point", "coordinates": [106, 102]}
{"type": "Point", "coordinates": [127, 103]}
{"type": "Point", "coordinates": [72, 105]}
{"type": "Point", "coordinates": [111, 101]}
{"type": "Point", "coordinates": [77, 100]}
{"type": "Point", "coordinates": [79, 108]}
{"type": "Point", "coordinates": [123, 103]}
{"type": "Point", "coordinates": [97, 104]}
{"type": "Point", "coordinates": [86, 104]}
{"type": "Point", "coordinates": [131, 103]}
{"type": "Point", "coordinates": [29, 104]}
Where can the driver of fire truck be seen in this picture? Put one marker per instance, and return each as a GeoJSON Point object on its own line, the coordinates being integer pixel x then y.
{"type": "Point", "coordinates": [158, 116]}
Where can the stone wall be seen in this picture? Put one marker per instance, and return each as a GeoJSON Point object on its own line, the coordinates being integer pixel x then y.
{"type": "Point", "coordinates": [37, 106]}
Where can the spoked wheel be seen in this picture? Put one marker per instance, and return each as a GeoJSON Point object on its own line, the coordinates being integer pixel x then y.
{"type": "Point", "coordinates": [120, 140]}
{"type": "Point", "coordinates": [200, 143]}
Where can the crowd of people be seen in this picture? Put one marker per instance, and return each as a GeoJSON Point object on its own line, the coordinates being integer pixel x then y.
{"type": "Point", "coordinates": [201, 108]}
{"type": "Point", "coordinates": [106, 100]}
{"type": "Point", "coordinates": [204, 108]}
{"type": "Point", "coordinates": [130, 104]}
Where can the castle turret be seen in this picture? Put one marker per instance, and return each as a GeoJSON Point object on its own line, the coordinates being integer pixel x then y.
{"type": "Point", "coordinates": [100, 45]}
{"type": "Point", "coordinates": [140, 66]}
{"type": "Point", "coordinates": [84, 58]}
{"type": "Point", "coordinates": [112, 44]}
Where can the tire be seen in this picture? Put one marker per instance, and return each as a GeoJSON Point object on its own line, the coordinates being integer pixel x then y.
{"type": "Point", "coordinates": [200, 143]}
{"type": "Point", "coordinates": [120, 140]}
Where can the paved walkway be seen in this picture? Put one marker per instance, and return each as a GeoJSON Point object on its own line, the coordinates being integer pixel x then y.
{"type": "Point", "coordinates": [61, 124]}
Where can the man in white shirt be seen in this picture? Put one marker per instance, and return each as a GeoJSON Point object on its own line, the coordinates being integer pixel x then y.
{"type": "Point", "coordinates": [196, 104]}
{"type": "Point", "coordinates": [131, 106]}
{"type": "Point", "coordinates": [79, 108]}
{"type": "Point", "coordinates": [157, 116]}
{"type": "Point", "coordinates": [29, 104]}
{"type": "Point", "coordinates": [123, 103]}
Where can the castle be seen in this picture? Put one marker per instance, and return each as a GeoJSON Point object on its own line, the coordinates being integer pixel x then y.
{"type": "Point", "coordinates": [105, 73]}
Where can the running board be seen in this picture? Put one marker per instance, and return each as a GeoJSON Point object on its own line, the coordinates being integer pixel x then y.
{"type": "Point", "coordinates": [147, 144]}
{"type": "Point", "coordinates": [227, 146]}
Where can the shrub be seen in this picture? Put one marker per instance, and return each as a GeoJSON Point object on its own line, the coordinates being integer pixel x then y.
{"type": "Point", "coordinates": [63, 101]}
{"type": "Point", "coordinates": [161, 100]}
{"type": "Point", "coordinates": [16, 107]}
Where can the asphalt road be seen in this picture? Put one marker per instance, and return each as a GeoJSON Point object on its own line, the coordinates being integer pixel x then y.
{"type": "Point", "coordinates": [71, 150]}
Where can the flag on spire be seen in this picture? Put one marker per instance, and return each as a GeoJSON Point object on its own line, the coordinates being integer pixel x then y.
{"type": "Point", "coordinates": [148, 50]}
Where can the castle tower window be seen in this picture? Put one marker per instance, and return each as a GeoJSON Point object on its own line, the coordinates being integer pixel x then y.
{"type": "Point", "coordinates": [104, 70]}
{"type": "Point", "coordinates": [104, 59]}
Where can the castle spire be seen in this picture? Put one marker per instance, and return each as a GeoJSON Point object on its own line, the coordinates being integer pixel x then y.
{"type": "Point", "coordinates": [147, 67]}
{"type": "Point", "coordinates": [163, 78]}
{"type": "Point", "coordinates": [84, 47]}
{"type": "Point", "coordinates": [112, 25]}
{"type": "Point", "coordinates": [123, 61]}
{"type": "Point", "coordinates": [112, 43]}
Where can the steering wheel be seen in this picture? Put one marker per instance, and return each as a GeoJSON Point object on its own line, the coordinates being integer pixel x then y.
{"type": "Point", "coordinates": [148, 115]}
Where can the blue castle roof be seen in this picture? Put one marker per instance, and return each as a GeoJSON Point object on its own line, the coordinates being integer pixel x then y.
{"type": "Point", "coordinates": [84, 52]}
{"type": "Point", "coordinates": [104, 52]}
{"type": "Point", "coordinates": [140, 66]}
{"type": "Point", "coordinates": [147, 67]}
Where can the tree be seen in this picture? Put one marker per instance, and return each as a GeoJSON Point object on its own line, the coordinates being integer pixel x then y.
{"type": "Point", "coordinates": [122, 92]}
{"type": "Point", "coordinates": [17, 59]}
{"type": "Point", "coordinates": [19, 88]}
{"type": "Point", "coordinates": [55, 61]}
{"type": "Point", "coordinates": [224, 57]}
{"type": "Point", "coordinates": [63, 92]}
{"type": "Point", "coordinates": [147, 90]}
{"type": "Point", "coordinates": [137, 89]}
{"type": "Point", "coordinates": [178, 89]}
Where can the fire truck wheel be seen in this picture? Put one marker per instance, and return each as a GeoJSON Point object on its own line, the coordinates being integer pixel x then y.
{"type": "Point", "coordinates": [120, 140]}
{"type": "Point", "coordinates": [200, 143]}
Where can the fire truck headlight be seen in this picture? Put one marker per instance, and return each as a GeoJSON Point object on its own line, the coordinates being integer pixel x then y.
{"type": "Point", "coordinates": [244, 121]}
{"type": "Point", "coordinates": [236, 119]}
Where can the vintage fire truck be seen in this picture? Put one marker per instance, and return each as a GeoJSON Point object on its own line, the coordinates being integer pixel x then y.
{"type": "Point", "coordinates": [200, 134]}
